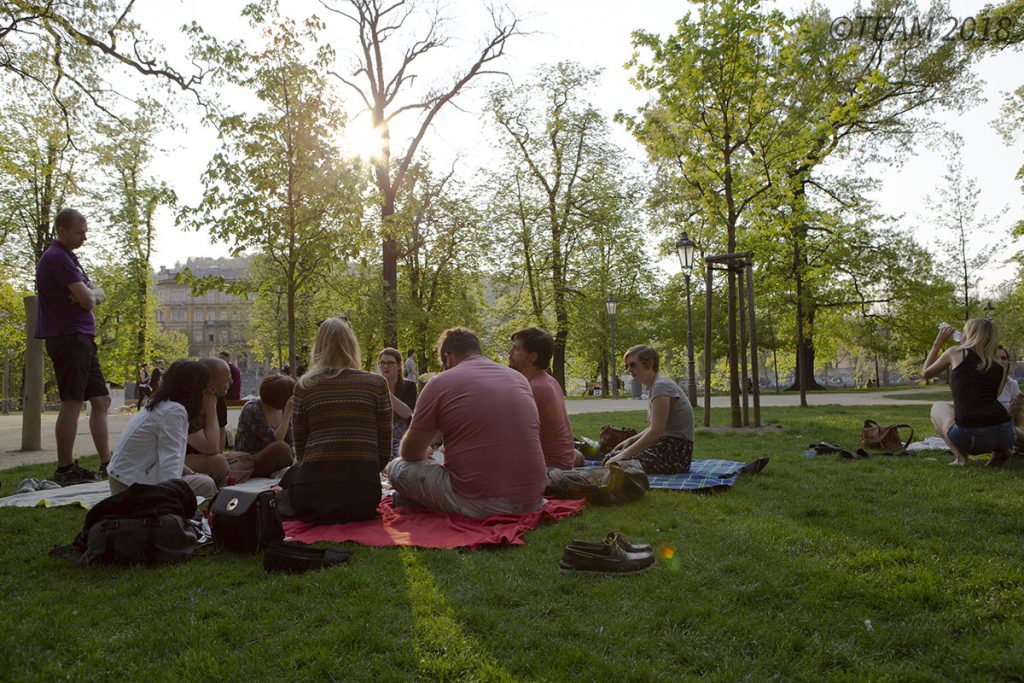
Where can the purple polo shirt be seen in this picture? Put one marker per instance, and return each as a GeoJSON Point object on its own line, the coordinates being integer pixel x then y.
{"type": "Point", "coordinates": [55, 314]}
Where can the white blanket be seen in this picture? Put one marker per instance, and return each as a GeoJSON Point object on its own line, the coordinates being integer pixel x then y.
{"type": "Point", "coordinates": [87, 495]}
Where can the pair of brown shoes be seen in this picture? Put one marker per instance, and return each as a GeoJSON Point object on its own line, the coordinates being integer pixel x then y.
{"type": "Point", "coordinates": [614, 555]}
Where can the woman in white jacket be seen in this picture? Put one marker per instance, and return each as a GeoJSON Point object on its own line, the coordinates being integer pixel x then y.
{"type": "Point", "coordinates": [152, 447]}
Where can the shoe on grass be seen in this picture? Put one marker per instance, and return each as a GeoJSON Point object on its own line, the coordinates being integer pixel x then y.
{"type": "Point", "coordinates": [103, 470]}
{"type": "Point", "coordinates": [603, 558]}
{"type": "Point", "coordinates": [73, 474]}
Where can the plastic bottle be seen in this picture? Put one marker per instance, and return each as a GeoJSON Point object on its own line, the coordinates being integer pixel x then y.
{"type": "Point", "coordinates": [957, 336]}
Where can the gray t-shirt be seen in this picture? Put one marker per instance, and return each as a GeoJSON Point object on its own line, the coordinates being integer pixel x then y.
{"type": "Point", "coordinates": [680, 412]}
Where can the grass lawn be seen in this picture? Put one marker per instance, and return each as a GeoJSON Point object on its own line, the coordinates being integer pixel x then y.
{"type": "Point", "coordinates": [940, 394]}
{"type": "Point", "coordinates": [884, 569]}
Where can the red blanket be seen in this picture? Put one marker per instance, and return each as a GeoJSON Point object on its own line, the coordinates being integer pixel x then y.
{"type": "Point", "coordinates": [430, 529]}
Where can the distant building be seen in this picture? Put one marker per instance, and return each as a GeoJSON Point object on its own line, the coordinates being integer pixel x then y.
{"type": "Point", "coordinates": [214, 322]}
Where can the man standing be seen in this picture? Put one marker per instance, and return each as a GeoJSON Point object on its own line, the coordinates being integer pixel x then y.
{"type": "Point", "coordinates": [487, 417]}
{"type": "Point", "coordinates": [530, 354]}
{"type": "Point", "coordinates": [410, 366]}
{"type": "Point", "coordinates": [235, 391]}
{"type": "Point", "coordinates": [65, 321]}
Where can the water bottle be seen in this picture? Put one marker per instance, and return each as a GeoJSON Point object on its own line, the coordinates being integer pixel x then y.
{"type": "Point", "coordinates": [957, 336]}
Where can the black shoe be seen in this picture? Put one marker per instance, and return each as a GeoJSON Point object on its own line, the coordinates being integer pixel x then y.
{"type": "Point", "coordinates": [103, 470]}
{"type": "Point", "coordinates": [602, 558]}
{"type": "Point", "coordinates": [295, 557]}
{"type": "Point", "coordinates": [74, 474]}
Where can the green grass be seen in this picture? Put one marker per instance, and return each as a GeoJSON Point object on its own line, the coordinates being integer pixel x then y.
{"type": "Point", "coordinates": [884, 569]}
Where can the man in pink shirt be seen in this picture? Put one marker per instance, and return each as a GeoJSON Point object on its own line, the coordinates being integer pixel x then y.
{"type": "Point", "coordinates": [486, 414]}
{"type": "Point", "coordinates": [530, 354]}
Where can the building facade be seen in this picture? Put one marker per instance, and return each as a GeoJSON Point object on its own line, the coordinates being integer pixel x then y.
{"type": "Point", "coordinates": [214, 322]}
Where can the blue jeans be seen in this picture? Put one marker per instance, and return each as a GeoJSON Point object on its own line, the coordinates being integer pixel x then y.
{"type": "Point", "coordinates": [977, 440]}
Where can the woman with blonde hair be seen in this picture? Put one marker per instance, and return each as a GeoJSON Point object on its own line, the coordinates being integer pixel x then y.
{"type": "Point", "coordinates": [976, 422]}
{"type": "Point", "coordinates": [402, 393]}
{"type": "Point", "coordinates": [666, 446]}
{"type": "Point", "coordinates": [341, 419]}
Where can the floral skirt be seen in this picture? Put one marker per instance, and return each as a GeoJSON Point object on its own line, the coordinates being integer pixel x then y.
{"type": "Point", "coordinates": [668, 455]}
{"type": "Point", "coordinates": [398, 427]}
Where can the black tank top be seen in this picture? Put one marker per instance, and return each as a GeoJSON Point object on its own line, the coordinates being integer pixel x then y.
{"type": "Point", "coordinates": [976, 394]}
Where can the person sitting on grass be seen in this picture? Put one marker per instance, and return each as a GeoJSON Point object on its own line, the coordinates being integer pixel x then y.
{"type": "Point", "coordinates": [152, 447]}
{"type": "Point", "coordinates": [402, 393]}
{"type": "Point", "coordinates": [666, 446]}
{"type": "Point", "coordinates": [975, 422]}
{"type": "Point", "coordinates": [207, 437]}
{"type": "Point", "coordinates": [486, 414]}
{"type": "Point", "coordinates": [342, 421]}
{"type": "Point", "coordinates": [264, 431]}
{"type": "Point", "coordinates": [530, 354]}
{"type": "Point", "coordinates": [1012, 399]}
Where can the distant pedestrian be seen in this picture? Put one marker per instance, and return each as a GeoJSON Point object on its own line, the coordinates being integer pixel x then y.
{"type": "Point", "coordinates": [66, 322]}
{"type": "Point", "coordinates": [144, 389]}
{"type": "Point", "coordinates": [410, 366]}
{"type": "Point", "coordinates": [158, 373]}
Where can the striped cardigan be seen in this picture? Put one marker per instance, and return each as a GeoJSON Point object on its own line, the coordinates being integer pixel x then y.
{"type": "Point", "coordinates": [345, 417]}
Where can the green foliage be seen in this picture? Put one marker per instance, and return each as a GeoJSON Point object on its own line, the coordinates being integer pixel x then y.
{"type": "Point", "coordinates": [563, 209]}
{"type": "Point", "coordinates": [278, 187]}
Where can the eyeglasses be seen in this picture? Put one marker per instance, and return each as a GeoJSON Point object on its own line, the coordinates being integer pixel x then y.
{"type": "Point", "coordinates": [343, 318]}
{"type": "Point", "coordinates": [386, 363]}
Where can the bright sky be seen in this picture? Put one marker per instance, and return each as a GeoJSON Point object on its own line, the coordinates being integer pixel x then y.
{"type": "Point", "coordinates": [595, 33]}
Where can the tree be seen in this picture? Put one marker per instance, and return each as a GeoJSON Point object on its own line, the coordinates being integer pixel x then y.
{"type": "Point", "coordinates": [278, 187]}
{"type": "Point", "coordinates": [388, 93]}
{"type": "Point", "coordinates": [82, 44]}
{"type": "Point", "coordinates": [554, 193]}
{"type": "Point", "coordinates": [125, 323]}
{"type": "Point", "coordinates": [714, 121]}
{"type": "Point", "coordinates": [38, 176]}
{"type": "Point", "coordinates": [955, 213]}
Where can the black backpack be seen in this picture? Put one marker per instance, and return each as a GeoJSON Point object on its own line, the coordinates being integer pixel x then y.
{"type": "Point", "coordinates": [144, 524]}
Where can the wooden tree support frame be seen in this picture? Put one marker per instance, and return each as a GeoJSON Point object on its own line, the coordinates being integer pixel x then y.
{"type": "Point", "coordinates": [743, 265]}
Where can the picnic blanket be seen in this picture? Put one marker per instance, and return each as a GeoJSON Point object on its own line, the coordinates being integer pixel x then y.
{"type": "Point", "coordinates": [709, 475]}
{"type": "Point", "coordinates": [88, 494]}
{"type": "Point", "coordinates": [415, 526]}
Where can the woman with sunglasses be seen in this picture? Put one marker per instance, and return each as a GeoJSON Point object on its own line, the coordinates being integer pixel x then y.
{"type": "Point", "coordinates": [341, 419]}
{"type": "Point", "coordinates": [666, 446]}
{"type": "Point", "coordinates": [401, 392]}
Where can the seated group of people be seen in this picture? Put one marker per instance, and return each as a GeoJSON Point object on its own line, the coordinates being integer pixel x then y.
{"type": "Point", "coordinates": [478, 440]}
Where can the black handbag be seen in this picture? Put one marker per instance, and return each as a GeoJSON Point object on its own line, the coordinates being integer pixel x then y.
{"type": "Point", "coordinates": [160, 539]}
{"type": "Point", "coordinates": [245, 521]}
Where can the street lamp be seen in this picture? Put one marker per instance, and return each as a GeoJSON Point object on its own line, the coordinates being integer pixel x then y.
{"type": "Point", "coordinates": [685, 249]}
{"type": "Point", "coordinates": [612, 305]}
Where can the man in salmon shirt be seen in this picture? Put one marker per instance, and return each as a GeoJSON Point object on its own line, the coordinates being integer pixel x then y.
{"type": "Point", "coordinates": [530, 354]}
{"type": "Point", "coordinates": [487, 416]}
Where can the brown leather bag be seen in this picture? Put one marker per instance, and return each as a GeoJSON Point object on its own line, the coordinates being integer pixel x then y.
{"type": "Point", "coordinates": [878, 438]}
{"type": "Point", "coordinates": [613, 436]}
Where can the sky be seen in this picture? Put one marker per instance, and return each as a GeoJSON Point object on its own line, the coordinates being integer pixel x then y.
{"type": "Point", "coordinates": [595, 33]}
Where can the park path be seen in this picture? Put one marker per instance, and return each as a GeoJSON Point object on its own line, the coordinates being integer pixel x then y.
{"type": "Point", "coordinates": [12, 456]}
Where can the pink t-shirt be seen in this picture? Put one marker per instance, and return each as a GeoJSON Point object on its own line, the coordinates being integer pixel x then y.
{"type": "Point", "coordinates": [555, 432]}
{"type": "Point", "coordinates": [488, 416]}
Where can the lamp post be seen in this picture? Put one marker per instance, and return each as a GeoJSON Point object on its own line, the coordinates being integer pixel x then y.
{"type": "Point", "coordinates": [612, 305]}
{"type": "Point", "coordinates": [685, 249]}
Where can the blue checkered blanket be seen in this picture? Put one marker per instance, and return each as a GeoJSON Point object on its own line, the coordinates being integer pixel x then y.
{"type": "Point", "coordinates": [710, 474]}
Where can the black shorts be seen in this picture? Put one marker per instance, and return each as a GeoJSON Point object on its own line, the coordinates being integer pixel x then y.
{"type": "Point", "coordinates": [76, 366]}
